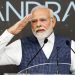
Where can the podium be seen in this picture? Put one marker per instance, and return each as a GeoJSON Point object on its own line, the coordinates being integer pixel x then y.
{"type": "Point", "coordinates": [44, 65]}
{"type": "Point", "coordinates": [52, 66]}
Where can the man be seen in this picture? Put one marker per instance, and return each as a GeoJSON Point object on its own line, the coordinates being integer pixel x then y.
{"type": "Point", "coordinates": [55, 56]}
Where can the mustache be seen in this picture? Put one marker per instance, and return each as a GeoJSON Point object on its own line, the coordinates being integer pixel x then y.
{"type": "Point", "coordinates": [40, 29]}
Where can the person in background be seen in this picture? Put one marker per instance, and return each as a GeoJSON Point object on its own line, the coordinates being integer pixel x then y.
{"type": "Point", "coordinates": [21, 51]}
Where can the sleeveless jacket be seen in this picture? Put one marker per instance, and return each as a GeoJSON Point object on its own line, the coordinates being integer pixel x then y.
{"type": "Point", "coordinates": [59, 60]}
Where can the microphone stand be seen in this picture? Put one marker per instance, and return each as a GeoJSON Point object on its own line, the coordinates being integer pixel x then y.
{"type": "Point", "coordinates": [69, 45]}
{"type": "Point", "coordinates": [57, 61]}
{"type": "Point", "coordinates": [45, 41]}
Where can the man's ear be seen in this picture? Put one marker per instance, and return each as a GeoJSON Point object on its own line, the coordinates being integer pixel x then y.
{"type": "Point", "coordinates": [53, 21]}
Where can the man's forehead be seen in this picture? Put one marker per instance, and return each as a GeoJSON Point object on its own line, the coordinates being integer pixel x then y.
{"type": "Point", "coordinates": [40, 10]}
{"type": "Point", "coordinates": [39, 17]}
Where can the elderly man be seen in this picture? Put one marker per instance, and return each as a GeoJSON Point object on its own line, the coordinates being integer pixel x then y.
{"type": "Point", "coordinates": [54, 57]}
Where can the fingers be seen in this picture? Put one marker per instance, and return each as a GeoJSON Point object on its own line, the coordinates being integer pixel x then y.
{"type": "Point", "coordinates": [27, 18]}
{"type": "Point", "coordinates": [17, 27]}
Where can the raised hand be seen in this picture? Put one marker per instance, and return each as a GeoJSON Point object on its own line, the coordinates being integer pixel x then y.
{"type": "Point", "coordinates": [16, 28]}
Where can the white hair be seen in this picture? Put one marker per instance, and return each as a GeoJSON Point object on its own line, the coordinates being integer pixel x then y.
{"type": "Point", "coordinates": [43, 7]}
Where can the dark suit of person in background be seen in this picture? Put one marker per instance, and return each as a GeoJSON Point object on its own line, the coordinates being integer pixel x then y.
{"type": "Point", "coordinates": [21, 51]}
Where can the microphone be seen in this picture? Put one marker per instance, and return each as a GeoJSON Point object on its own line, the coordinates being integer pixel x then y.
{"type": "Point", "coordinates": [69, 45]}
{"type": "Point", "coordinates": [45, 41]}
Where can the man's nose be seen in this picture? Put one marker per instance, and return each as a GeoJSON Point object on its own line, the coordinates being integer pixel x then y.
{"type": "Point", "coordinates": [38, 24]}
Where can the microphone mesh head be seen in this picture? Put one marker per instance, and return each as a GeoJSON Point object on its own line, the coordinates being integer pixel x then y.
{"type": "Point", "coordinates": [67, 42]}
{"type": "Point", "coordinates": [45, 41]}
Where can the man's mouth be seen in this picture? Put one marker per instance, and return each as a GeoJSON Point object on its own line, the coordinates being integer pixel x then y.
{"type": "Point", "coordinates": [40, 30]}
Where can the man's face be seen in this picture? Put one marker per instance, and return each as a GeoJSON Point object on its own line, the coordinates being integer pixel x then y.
{"type": "Point", "coordinates": [41, 21]}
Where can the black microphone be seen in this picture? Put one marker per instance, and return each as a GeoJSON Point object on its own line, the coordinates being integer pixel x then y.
{"type": "Point", "coordinates": [45, 41]}
{"type": "Point", "coordinates": [69, 45]}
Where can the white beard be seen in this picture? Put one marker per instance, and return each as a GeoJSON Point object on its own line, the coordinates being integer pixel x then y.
{"type": "Point", "coordinates": [43, 35]}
